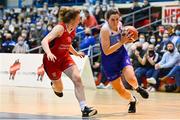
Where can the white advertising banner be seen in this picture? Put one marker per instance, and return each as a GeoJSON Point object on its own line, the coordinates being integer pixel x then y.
{"type": "Point", "coordinates": [171, 15]}
{"type": "Point", "coordinates": [26, 70]}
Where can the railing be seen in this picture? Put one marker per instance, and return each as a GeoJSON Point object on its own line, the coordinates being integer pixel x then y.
{"type": "Point", "coordinates": [91, 48]}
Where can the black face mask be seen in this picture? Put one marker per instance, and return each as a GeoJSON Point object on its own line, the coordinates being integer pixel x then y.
{"type": "Point", "coordinates": [87, 34]}
{"type": "Point", "coordinates": [139, 49]}
{"type": "Point", "coordinates": [151, 53]}
{"type": "Point", "coordinates": [171, 51]}
{"type": "Point", "coordinates": [8, 39]}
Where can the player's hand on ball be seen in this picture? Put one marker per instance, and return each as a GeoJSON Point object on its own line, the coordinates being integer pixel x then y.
{"type": "Point", "coordinates": [131, 32]}
{"type": "Point", "coordinates": [51, 57]}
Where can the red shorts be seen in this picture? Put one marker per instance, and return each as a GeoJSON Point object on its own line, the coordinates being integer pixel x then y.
{"type": "Point", "coordinates": [55, 69]}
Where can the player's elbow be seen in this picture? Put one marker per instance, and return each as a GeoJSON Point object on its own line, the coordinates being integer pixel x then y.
{"type": "Point", "coordinates": [106, 52]}
{"type": "Point", "coordinates": [43, 42]}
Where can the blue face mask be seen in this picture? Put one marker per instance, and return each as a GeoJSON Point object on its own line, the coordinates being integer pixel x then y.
{"type": "Point", "coordinates": [177, 32]}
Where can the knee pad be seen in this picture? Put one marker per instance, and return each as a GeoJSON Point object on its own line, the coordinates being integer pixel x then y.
{"type": "Point", "coordinates": [59, 94]}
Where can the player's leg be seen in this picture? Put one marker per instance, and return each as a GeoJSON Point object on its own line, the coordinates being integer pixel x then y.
{"type": "Point", "coordinates": [119, 87]}
{"type": "Point", "coordinates": [73, 73]}
{"type": "Point", "coordinates": [130, 77]}
{"type": "Point", "coordinates": [57, 86]}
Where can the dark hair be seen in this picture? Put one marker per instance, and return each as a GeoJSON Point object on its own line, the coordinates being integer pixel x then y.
{"type": "Point", "coordinates": [111, 12]}
{"type": "Point", "coordinates": [169, 42]}
{"type": "Point", "coordinates": [68, 14]}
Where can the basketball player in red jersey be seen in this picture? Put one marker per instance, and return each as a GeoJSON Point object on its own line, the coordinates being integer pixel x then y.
{"type": "Point", "coordinates": [57, 58]}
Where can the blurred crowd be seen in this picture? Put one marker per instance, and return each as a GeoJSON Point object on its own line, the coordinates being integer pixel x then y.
{"type": "Point", "coordinates": [155, 55]}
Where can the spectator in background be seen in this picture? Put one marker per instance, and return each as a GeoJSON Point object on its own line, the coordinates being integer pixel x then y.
{"type": "Point", "coordinates": [1, 11]}
{"type": "Point", "coordinates": [175, 73]}
{"type": "Point", "coordinates": [160, 48]}
{"type": "Point", "coordinates": [167, 62]}
{"type": "Point", "coordinates": [160, 33]}
{"type": "Point", "coordinates": [80, 31]}
{"type": "Point", "coordinates": [170, 31]}
{"type": "Point", "coordinates": [89, 40]}
{"type": "Point", "coordinates": [9, 44]}
{"type": "Point", "coordinates": [99, 15]}
{"type": "Point", "coordinates": [21, 46]}
{"type": "Point", "coordinates": [152, 39]}
{"type": "Point", "coordinates": [176, 39]}
{"type": "Point", "coordinates": [135, 6]}
{"type": "Point", "coordinates": [137, 55]}
{"type": "Point", "coordinates": [146, 4]}
{"type": "Point", "coordinates": [90, 22]}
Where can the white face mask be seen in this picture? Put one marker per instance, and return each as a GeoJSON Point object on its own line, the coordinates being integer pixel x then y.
{"type": "Point", "coordinates": [152, 40]}
{"type": "Point", "coordinates": [165, 39]}
{"type": "Point", "coordinates": [141, 40]}
{"type": "Point", "coordinates": [49, 28]}
{"type": "Point", "coordinates": [21, 42]}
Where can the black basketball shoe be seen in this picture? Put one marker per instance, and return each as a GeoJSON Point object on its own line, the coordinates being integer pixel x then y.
{"type": "Point", "coordinates": [88, 112]}
{"type": "Point", "coordinates": [132, 106]}
{"type": "Point", "coordinates": [142, 92]}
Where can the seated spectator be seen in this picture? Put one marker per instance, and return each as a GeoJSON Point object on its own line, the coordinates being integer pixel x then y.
{"type": "Point", "coordinates": [167, 62]}
{"type": "Point", "coordinates": [87, 41]}
{"type": "Point", "coordinates": [148, 61]}
{"type": "Point", "coordinates": [21, 46]}
{"type": "Point", "coordinates": [153, 40]}
{"type": "Point", "coordinates": [170, 31]}
{"type": "Point", "coordinates": [90, 22]}
{"type": "Point", "coordinates": [137, 55]}
{"type": "Point", "coordinates": [8, 45]}
{"type": "Point", "coordinates": [174, 73]}
{"type": "Point", "coordinates": [99, 15]}
{"type": "Point", "coordinates": [160, 33]}
{"type": "Point", "coordinates": [176, 39]}
{"type": "Point", "coordinates": [160, 48]}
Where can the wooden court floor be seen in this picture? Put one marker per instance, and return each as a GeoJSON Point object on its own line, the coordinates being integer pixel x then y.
{"type": "Point", "coordinates": [41, 103]}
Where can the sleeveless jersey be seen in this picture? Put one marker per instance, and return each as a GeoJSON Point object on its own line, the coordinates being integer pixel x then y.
{"type": "Point", "coordinates": [60, 45]}
{"type": "Point", "coordinates": [114, 63]}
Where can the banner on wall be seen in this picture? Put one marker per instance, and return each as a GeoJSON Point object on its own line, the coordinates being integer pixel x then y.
{"type": "Point", "coordinates": [27, 70]}
{"type": "Point", "coordinates": [171, 15]}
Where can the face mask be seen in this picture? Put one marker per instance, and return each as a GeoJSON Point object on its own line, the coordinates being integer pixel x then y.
{"type": "Point", "coordinates": [38, 27]}
{"type": "Point", "coordinates": [141, 40]}
{"type": "Point", "coordinates": [21, 43]}
{"type": "Point", "coordinates": [8, 39]}
{"type": "Point", "coordinates": [87, 34]}
{"type": "Point", "coordinates": [152, 40]}
{"type": "Point", "coordinates": [49, 28]}
{"type": "Point", "coordinates": [177, 32]}
{"type": "Point", "coordinates": [139, 49]}
{"type": "Point", "coordinates": [151, 53]}
{"type": "Point", "coordinates": [171, 51]}
{"type": "Point", "coordinates": [165, 39]}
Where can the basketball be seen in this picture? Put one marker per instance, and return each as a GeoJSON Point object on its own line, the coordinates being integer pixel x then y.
{"type": "Point", "coordinates": [133, 30]}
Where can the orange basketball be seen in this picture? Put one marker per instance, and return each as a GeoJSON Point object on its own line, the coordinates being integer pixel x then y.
{"type": "Point", "coordinates": [133, 30]}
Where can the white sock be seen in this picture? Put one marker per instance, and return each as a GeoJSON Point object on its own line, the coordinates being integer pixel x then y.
{"type": "Point", "coordinates": [82, 104]}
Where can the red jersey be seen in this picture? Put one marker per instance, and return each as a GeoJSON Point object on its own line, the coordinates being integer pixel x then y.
{"type": "Point", "coordinates": [60, 48]}
{"type": "Point", "coordinates": [60, 45]}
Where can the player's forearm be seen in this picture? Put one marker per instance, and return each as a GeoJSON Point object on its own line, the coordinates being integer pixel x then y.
{"type": "Point", "coordinates": [112, 48]}
{"type": "Point", "coordinates": [72, 50]}
{"type": "Point", "coordinates": [45, 46]}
